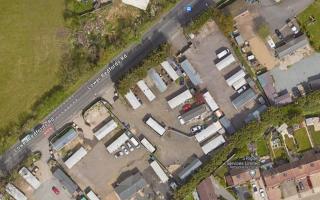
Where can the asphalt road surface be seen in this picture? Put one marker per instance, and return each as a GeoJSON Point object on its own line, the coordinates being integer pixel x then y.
{"type": "Point", "coordinates": [158, 34]}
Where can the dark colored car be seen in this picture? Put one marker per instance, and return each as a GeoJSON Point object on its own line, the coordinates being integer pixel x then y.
{"type": "Point", "coordinates": [55, 190]}
{"type": "Point", "coordinates": [279, 34]}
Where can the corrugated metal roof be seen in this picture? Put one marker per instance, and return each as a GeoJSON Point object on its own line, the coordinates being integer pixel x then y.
{"type": "Point", "coordinates": [65, 180]}
{"type": "Point", "coordinates": [15, 192]}
{"type": "Point", "coordinates": [106, 129]}
{"type": "Point", "coordinates": [213, 144]}
{"type": "Point", "coordinates": [235, 77]}
{"type": "Point", "coordinates": [189, 169]}
{"type": "Point", "coordinates": [66, 138]}
{"type": "Point", "coordinates": [193, 75]}
{"type": "Point", "coordinates": [244, 98]}
{"type": "Point", "coordinates": [75, 157]}
{"type": "Point", "coordinates": [193, 113]}
{"type": "Point", "coordinates": [146, 90]}
{"type": "Point", "coordinates": [133, 100]}
{"type": "Point", "coordinates": [130, 186]}
{"type": "Point", "coordinates": [180, 99]}
{"type": "Point", "coordinates": [160, 84]}
{"type": "Point", "coordinates": [225, 62]}
{"type": "Point", "coordinates": [29, 177]}
{"type": "Point", "coordinates": [292, 46]}
{"type": "Point", "coordinates": [169, 69]}
{"type": "Point", "coordinates": [159, 171]}
{"type": "Point", "coordinates": [210, 101]}
{"type": "Point", "coordinates": [117, 143]}
{"type": "Point", "coordinates": [208, 132]}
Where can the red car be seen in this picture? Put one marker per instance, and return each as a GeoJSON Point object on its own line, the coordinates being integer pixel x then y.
{"type": "Point", "coordinates": [186, 107]}
{"type": "Point", "coordinates": [55, 190]}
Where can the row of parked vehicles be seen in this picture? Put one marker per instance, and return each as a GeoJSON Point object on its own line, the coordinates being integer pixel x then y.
{"type": "Point", "coordinates": [127, 147]}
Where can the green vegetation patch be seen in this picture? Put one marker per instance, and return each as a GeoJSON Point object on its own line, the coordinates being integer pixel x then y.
{"type": "Point", "coordinates": [315, 135]}
{"type": "Point", "coordinates": [302, 140]}
{"type": "Point", "coordinates": [309, 21]}
{"type": "Point", "coordinates": [280, 154]}
{"type": "Point", "coordinates": [262, 147]}
{"type": "Point", "coordinates": [263, 31]}
{"type": "Point", "coordinates": [32, 34]}
{"type": "Point", "coordinates": [289, 143]}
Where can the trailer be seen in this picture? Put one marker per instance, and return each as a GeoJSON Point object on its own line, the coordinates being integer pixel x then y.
{"type": "Point", "coordinates": [213, 144]}
{"type": "Point", "coordinates": [154, 125]}
{"type": "Point", "coordinates": [180, 99]}
{"type": "Point", "coordinates": [210, 101]}
{"type": "Point", "coordinates": [15, 192]}
{"type": "Point", "coordinates": [159, 171]}
{"type": "Point", "coordinates": [75, 157]}
{"type": "Point", "coordinates": [106, 129]}
{"type": "Point", "coordinates": [225, 62]}
{"type": "Point", "coordinates": [133, 100]}
{"type": "Point", "coordinates": [146, 90]}
{"type": "Point", "coordinates": [170, 71]}
{"type": "Point", "coordinates": [29, 177]}
{"type": "Point", "coordinates": [116, 144]}
{"type": "Point", "coordinates": [92, 196]}
{"type": "Point", "coordinates": [235, 77]}
{"type": "Point", "coordinates": [148, 145]}
{"type": "Point", "coordinates": [208, 132]}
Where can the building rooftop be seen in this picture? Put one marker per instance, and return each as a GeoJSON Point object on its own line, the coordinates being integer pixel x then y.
{"type": "Point", "coordinates": [189, 169]}
{"type": "Point", "coordinates": [65, 180]}
{"type": "Point", "coordinates": [206, 190]}
{"type": "Point", "coordinates": [291, 46]}
{"type": "Point", "coordinates": [191, 72]}
{"type": "Point", "coordinates": [238, 176]}
{"type": "Point", "coordinates": [66, 137]}
{"type": "Point", "coordinates": [194, 112]}
{"type": "Point", "coordinates": [141, 4]}
{"type": "Point", "coordinates": [159, 83]}
{"type": "Point", "coordinates": [130, 186]}
{"type": "Point", "coordinates": [244, 98]}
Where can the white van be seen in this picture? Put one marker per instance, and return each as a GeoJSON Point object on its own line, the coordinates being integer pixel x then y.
{"type": "Point", "coordinates": [223, 53]}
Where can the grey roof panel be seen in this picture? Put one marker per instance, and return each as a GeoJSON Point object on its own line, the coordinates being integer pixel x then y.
{"type": "Point", "coordinates": [191, 72]}
{"type": "Point", "coordinates": [195, 112]}
{"type": "Point", "coordinates": [65, 181]}
{"type": "Point", "coordinates": [157, 80]}
{"type": "Point", "coordinates": [244, 98]}
{"type": "Point", "coordinates": [292, 46]}
{"type": "Point", "coordinates": [67, 137]}
{"type": "Point", "coordinates": [195, 164]}
{"type": "Point", "coordinates": [131, 185]}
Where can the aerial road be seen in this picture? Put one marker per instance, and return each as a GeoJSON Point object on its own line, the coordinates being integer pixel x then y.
{"type": "Point", "coordinates": [102, 81]}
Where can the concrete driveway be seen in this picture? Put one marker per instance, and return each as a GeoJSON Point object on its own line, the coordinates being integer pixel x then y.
{"type": "Point", "coordinates": [45, 192]}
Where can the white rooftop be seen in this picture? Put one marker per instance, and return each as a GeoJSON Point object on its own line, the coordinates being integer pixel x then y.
{"type": "Point", "coordinates": [141, 4]}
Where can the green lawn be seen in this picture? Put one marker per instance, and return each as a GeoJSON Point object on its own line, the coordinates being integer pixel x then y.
{"type": "Point", "coordinates": [280, 154]}
{"type": "Point", "coordinates": [312, 29]}
{"type": "Point", "coordinates": [262, 147]}
{"type": "Point", "coordinates": [302, 140]}
{"type": "Point", "coordinates": [315, 135]}
{"type": "Point", "coordinates": [31, 37]}
{"type": "Point", "coordinates": [289, 143]}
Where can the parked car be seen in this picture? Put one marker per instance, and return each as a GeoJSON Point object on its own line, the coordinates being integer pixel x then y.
{"type": "Point", "coordinates": [262, 193]}
{"type": "Point", "coordinates": [55, 190]}
{"type": "Point", "coordinates": [254, 187]}
{"type": "Point", "coordinates": [279, 34]}
{"type": "Point", "coordinates": [223, 53]}
{"type": "Point", "coordinates": [196, 129]}
{"type": "Point", "coordinates": [126, 151]}
{"type": "Point", "coordinates": [118, 154]}
{"type": "Point", "coordinates": [181, 120]}
{"type": "Point", "coordinates": [129, 146]}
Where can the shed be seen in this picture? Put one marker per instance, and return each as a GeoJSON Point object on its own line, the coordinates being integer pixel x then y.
{"type": "Point", "coordinates": [169, 69]}
{"type": "Point", "coordinates": [65, 139]}
{"type": "Point", "coordinates": [180, 99]}
{"type": "Point", "coordinates": [130, 186]}
{"type": "Point", "coordinates": [189, 169]}
{"type": "Point", "coordinates": [133, 100]}
{"type": "Point", "coordinates": [193, 75]}
{"type": "Point", "coordinates": [65, 180]}
{"type": "Point", "coordinates": [226, 123]}
{"type": "Point", "coordinates": [146, 91]}
{"type": "Point", "coordinates": [75, 157]}
{"type": "Point", "coordinates": [116, 144]}
{"type": "Point", "coordinates": [106, 129]}
{"type": "Point", "coordinates": [29, 177]}
{"type": "Point", "coordinates": [210, 101]}
{"type": "Point", "coordinates": [225, 62]}
{"type": "Point", "coordinates": [244, 98]}
{"type": "Point", "coordinates": [157, 80]}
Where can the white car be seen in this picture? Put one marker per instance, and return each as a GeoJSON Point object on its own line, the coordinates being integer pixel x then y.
{"type": "Point", "coordinates": [126, 151]}
{"type": "Point", "coordinates": [271, 42]}
{"type": "Point", "coordinates": [294, 29]}
{"type": "Point", "coordinates": [254, 188]}
{"type": "Point", "coordinates": [181, 120]}
{"type": "Point", "coordinates": [196, 129]}
{"type": "Point", "coordinates": [130, 146]}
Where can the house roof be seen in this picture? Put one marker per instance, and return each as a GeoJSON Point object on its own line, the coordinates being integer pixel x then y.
{"type": "Point", "coordinates": [206, 190]}
{"type": "Point", "coordinates": [291, 46]}
{"type": "Point", "coordinates": [309, 165]}
{"type": "Point", "coordinates": [131, 185]}
{"type": "Point", "coordinates": [159, 83]}
{"type": "Point", "coordinates": [63, 140]}
{"type": "Point", "coordinates": [238, 176]}
{"type": "Point", "coordinates": [243, 98]}
{"type": "Point", "coordinates": [189, 168]}
{"type": "Point", "coordinates": [266, 82]}
{"type": "Point", "coordinates": [65, 181]}
{"type": "Point", "coordinates": [194, 112]}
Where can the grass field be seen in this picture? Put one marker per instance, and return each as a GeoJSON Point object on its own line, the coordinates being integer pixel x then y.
{"type": "Point", "coordinates": [262, 147]}
{"type": "Point", "coordinates": [289, 143]}
{"type": "Point", "coordinates": [31, 37]}
{"type": "Point", "coordinates": [315, 135]}
{"type": "Point", "coordinates": [302, 140]}
{"type": "Point", "coordinates": [312, 29]}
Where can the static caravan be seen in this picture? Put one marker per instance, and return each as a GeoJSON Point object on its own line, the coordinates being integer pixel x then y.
{"type": "Point", "coordinates": [225, 62]}
{"type": "Point", "coordinates": [148, 145]}
{"type": "Point", "coordinates": [133, 100]}
{"type": "Point", "coordinates": [208, 132]}
{"type": "Point", "coordinates": [146, 90]}
{"type": "Point", "coordinates": [158, 128]}
{"type": "Point", "coordinates": [213, 144]}
{"type": "Point", "coordinates": [75, 157]}
{"type": "Point", "coordinates": [210, 101]}
{"type": "Point", "coordinates": [106, 129]}
{"type": "Point", "coordinates": [92, 196]}
{"type": "Point", "coordinates": [170, 71]}
{"type": "Point", "coordinates": [159, 171]}
{"type": "Point", "coordinates": [29, 177]}
{"type": "Point", "coordinates": [235, 77]}
{"type": "Point", "coordinates": [180, 99]}
{"type": "Point", "coordinates": [15, 192]}
{"type": "Point", "coordinates": [116, 144]}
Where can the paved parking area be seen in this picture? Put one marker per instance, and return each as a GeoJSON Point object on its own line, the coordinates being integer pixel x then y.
{"type": "Point", "coordinates": [202, 56]}
{"type": "Point", "coordinates": [45, 192]}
